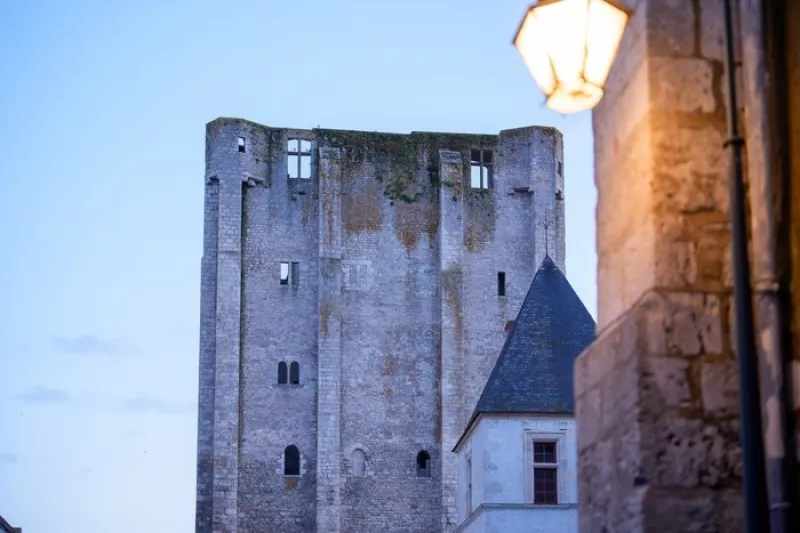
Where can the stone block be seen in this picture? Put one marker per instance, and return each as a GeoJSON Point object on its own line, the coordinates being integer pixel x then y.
{"type": "Point", "coordinates": [684, 85]}
{"type": "Point", "coordinates": [667, 401]}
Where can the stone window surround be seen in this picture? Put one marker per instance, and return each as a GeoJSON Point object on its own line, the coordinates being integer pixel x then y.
{"type": "Point", "coordinates": [559, 437]}
{"type": "Point", "coordinates": [288, 382]}
{"type": "Point", "coordinates": [292, 274]}
{"type": "Point", "coordinates": [299, 462]}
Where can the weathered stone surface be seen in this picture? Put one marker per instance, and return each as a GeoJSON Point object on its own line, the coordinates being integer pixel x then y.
{"type": "Point", "coordinates": [395, 319]}
{"type": "Point", "coordinates": [662, 389]}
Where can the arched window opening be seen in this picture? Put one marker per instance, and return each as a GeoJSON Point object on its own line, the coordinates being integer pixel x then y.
{"type": "Point", "coordinates": [423, 464]}
{"type": "Point", "coordinates": [281, 372]}
{"type": "Point", "coordinates": [291, 461]}
{"type": "Point", "coordinates": [359, 461]}
{"type": "Point", "coordinates": [294, 373]}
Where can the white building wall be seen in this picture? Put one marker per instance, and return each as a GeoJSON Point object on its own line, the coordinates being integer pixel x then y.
{"type": "Point", "coordinates": [502, 476]}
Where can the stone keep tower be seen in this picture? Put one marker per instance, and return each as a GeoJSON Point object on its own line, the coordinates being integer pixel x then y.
{"type": "Point", "coordinates": [356, 288]}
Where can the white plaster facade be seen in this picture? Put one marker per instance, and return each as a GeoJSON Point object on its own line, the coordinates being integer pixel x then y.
{"type": "Point", "coordinates": [495, 475]}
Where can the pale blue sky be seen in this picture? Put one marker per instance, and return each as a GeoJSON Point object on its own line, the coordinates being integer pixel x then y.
{"type": "Point", "coordinates": [103, 107]}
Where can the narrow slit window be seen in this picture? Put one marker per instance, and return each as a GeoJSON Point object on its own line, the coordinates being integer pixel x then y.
{"type": "Point", "coordinates": [281, 373]}
{"type": "Point", "coordinates": [291, 461]}
{"type": "Point", "coordinates": [242, 145]}
{"type": "Point", "coordinates": [559, 168]}
{"type": "Point", "coordinates": [501, 283]}
{"type": "Point", "coordinates": [423, 464]}
{"type": "Point", "coordinates": [299, 162]}
{"type": "Point", "coordinates": [294, 373]}
{"type": "Point", "coordinates": [481, 175]}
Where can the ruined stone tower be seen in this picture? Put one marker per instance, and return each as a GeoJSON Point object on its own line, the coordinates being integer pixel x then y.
{"type": "Point", "coordinates": [356, 288]}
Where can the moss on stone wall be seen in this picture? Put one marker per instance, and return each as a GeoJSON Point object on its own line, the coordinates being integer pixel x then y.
{"type": "Point", "coordinates": [400, 159]}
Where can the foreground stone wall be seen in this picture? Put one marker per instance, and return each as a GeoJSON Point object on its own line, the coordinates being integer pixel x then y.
{"type": "Point", "coordinates": [657, 411]}
{"type": "Point", "coordinates": [656, 394]}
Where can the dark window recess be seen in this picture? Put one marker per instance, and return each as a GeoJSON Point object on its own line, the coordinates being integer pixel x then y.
{"type": "Point", "coordinates": [545, 473]}
{"type": "Point", "coordinates": [559, 169]}
{"type": "Point", "coordinates": [544, 452]}
{"type": "Point", "coordinates": [501, 283]}
{"type": "Point", "coordinates": [423, 464]}
{"type": "Point", "coordinates": [545, 481]}
{"type": "Point", "coordinates": [509, 326]}
{"type": "Point", "coordinates": [559, 194]}
{"type": "Point", "coordinates": [242, 145]}
{"type": "Point", "coordinates": [481, 174]}
{"type": "Point", "coordinates": [291, 461]}
{"type": "Point", "coordinates": [281, 373]}
{"type": "Point", "coordinates": [299, 152]}
{"type": "Point", "coordinates": [290, 273]}
{"type": "Point", "coordinates": [294, 373]}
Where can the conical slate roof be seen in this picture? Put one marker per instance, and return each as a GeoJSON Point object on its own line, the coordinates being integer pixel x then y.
{"type": "Point", "coordinates": [533, 373]}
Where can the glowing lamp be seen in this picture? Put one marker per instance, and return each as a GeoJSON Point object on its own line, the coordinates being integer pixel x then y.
{"type": "Point", "coordinates": [569, 46]}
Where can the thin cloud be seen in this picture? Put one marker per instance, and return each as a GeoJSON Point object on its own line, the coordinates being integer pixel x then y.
{"type": "Point", "coordinates": [90, 345]}
{"type": "Point", "coordinates": [149, 404]}
{"type": "Point", "coordinates": [46, 395]}
{"type": "Point", "coordinates": [8, 458]}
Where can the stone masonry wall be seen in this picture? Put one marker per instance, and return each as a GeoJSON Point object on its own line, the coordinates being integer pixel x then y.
{"type": "Point", "coordinates": [395, 321]}
{"type": "Point", "coordinates": [656, 394]}
{"type": "Point", "coordinates": [656, 403]}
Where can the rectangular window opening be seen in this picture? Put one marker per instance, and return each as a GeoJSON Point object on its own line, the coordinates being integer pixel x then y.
{"type": "Point", "coordinates": [242, 145]}
{"type": "Point", "coordinates": [295, 275]}
{"type": "Point", "coordinates": [501, 283]}
{"type": "Point", "coordinates": [559, 169]}
{"type": "Point", "coordinates": [545, 473]}
{"type": "Point", "coordinates": [481, 174]}
{"type": "Point", "coordinates": [299, 162]}
{"type": "Point", "coordinates": [284, 273]}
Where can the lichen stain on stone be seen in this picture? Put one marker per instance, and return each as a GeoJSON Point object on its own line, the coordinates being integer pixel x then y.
{"type": "Point", "coordinates": [438, 428]}
{"type": "Point", "coordinates": [412, 220]}
{"type": "Point", "coordinates": [327, 208]}
{"type": "Point", "coordinates": [479, 212]}
{"type": "Point", "coordinates": [291, 483]}
{"type": "Point", "coordinates": [387, 368]}
{"type": "Point", "coordinates": [451, 285]}
{"type": "Point", "coordinates": [362, 208]}
{"type": "Point", "coordinates": [324, 314]}
{"type": "Point", "coordinates": [307, 203]}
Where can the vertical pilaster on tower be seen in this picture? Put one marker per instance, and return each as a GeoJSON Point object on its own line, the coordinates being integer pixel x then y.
{"type": "Point", "coordinates": [547, 184]}
{"type": "Point", "coordinates": [218, 432]}
{"type": "Point", "coordinates": [208, 335]}
{"type": "Point", "coordinates": [451, 234]}
{"type": "Point", "coordinates": [330, 347]}
{"type": "Point", "coordinates": [228, 346]}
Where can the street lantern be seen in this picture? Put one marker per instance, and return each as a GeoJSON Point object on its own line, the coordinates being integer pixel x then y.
{"type": "Point", "coordinates": [569, 46]}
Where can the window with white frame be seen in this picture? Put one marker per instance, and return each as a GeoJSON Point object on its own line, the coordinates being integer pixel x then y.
{"type": "Point", "coordinates": [545, 472]}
